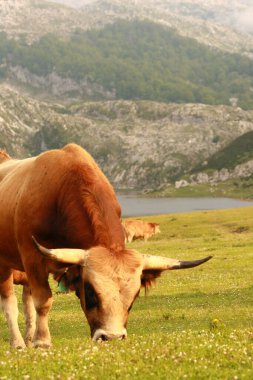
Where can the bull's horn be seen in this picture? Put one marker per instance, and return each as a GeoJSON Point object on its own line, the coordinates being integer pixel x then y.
{"type": "Point", "coordinates": [163, 263]}
{"type": "Point", "coordinates": [63, 255]}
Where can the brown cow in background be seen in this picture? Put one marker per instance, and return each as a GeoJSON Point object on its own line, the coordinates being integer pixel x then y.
{"type": "Point", "coordinates": [139, 229]}
{"type": "Point", "coordinates": [59, 214]}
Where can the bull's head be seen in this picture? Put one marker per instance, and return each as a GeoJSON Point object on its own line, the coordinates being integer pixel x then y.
{"type": "Point", "coordinates": [108, 283]}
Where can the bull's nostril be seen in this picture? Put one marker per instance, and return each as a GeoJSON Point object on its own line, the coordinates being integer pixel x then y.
{"type": "Point", "coordinates": [104, 337]}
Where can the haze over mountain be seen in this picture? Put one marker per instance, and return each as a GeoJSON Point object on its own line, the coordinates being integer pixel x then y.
{"type": "Point", "coordinates": [236, 13]}
{"type": "Point", "coordinates": [73, 3]}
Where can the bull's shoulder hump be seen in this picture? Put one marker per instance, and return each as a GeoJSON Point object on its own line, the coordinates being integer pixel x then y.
{"type": "Point", "coordinates": [70, 151]}
{"type": "Point", "coordinates": [72, 147]}
{"type": "Point", "coordinates": [70, 157]}
{"type": "Point", "coordinates": [78, 153]}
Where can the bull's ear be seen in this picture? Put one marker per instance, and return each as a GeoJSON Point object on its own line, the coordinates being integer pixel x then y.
{"type": "Point", "coordinates": [153, 266]}
{"type": "Point", "coordinates": [68, 279]}
{"type": "Point", "coordinates": [64, 255]}
{"type": "Point", "coordinates": [148, 277]}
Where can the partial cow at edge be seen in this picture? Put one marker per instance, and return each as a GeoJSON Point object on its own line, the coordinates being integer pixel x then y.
{"type": "Point", "coordinates": [60, 215]}
{"type": "Point", "coordinates": [139, 229]}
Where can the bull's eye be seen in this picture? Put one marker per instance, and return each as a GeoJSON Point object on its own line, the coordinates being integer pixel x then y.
{"type": "Point", "coordinates": [136, 295]}
{"type": "Point", "coordinates": [91, 299]}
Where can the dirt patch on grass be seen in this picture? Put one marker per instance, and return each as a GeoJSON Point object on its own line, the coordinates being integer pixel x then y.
{"type": "Point", "coordinates": [240, 230]}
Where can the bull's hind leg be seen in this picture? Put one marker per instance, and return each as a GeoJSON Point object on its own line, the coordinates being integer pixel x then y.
{"type": "Point", "coordinates": [130, 237]}
{"type": "Point", "coordinates": [10, 307]}
{"type": "Point", "coordinates": [30, 315]}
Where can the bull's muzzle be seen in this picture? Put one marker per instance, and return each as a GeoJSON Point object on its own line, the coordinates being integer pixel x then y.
{"type": "Point", "coordinates": [103, 335]}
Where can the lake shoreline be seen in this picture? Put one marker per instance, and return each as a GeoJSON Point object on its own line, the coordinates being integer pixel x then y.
{"type": "Point", "coordinates": [201, 191]}
{"type": "Point", "coordinates": [134, 205]}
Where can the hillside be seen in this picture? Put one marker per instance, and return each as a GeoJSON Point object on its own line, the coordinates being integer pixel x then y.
{"type": "Point", "coordinates": [228, 172]}
{"type": "Point", "coordinates": [237, 152]}
{"type": "Point", "coordinates": [129, 60]}
{"type": "Point", "coordinates": [218, 23]}
{"type": "Point", "coordinates": [138, 144]}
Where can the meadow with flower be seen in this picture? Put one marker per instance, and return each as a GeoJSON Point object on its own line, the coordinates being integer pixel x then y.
{"type": "Point", "coordinates": [193, 324]}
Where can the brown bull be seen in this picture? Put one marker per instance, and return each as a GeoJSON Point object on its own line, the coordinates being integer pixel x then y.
{"type": "Point", "coordinates": [58, 211]}
{"type": "Point", "coordinates": [139, 229]}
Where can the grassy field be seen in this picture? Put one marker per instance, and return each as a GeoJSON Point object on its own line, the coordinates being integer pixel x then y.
{"type": "Point", "coordinates": [193, 324]}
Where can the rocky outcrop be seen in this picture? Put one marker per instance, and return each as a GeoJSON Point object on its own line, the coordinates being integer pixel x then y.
{"type": "Point", "coordinates": [59, 86]}
{"type": "Point", "coordinates": [138, 144]}
{"type": "Point", "coordinates": [34, 18]}
{"type": "Point", "coordinates": [244, 170]}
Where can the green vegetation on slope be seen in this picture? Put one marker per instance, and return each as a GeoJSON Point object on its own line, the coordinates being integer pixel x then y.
{"type": "Point", "coordinates": [139, 60]}
{"type": "Point", "coordinates": [237, 152]}
{"type": "Point", "coordinates": [194, 323]}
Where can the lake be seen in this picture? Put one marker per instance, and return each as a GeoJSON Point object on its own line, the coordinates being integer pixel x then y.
{"type": "Point", "coordinates": [134, 205]}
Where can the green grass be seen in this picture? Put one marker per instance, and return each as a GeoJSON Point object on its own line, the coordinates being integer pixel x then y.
{"type": "Point", "coordinates": [193, 324]}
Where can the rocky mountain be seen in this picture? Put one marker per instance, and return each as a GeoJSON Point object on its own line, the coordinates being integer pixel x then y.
{"type": "Point", "coordinates": [31, 19]}
{"type": "Point", "coordinates": [138, 144]}
{"type": "Point", "coordinates": [47, 50]}
{"type": "Point", "coordinates": [233, 161]}
{"type": "Point", "coordinates": [128, 60]}
{"type": "Point", "coordinates": [221, 24]}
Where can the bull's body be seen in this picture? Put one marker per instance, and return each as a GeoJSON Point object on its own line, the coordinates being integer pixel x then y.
{"type": "Point", "coordinates": [63, 199]}
{"type": "Point", "coordinates": [52, 197]}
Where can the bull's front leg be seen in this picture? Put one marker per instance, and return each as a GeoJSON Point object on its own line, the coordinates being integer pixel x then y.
{"type": "Point", "coordinates": [42, 299]}
{"type": "Point", "coordinates": [42, 337]}
{"type": "Point", "coordinates": [10, 307]}
{"type": "Point", "coordinates": [29, 314]}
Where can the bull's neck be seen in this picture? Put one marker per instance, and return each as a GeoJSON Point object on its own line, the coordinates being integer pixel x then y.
{"type": "Point", "coordinates": [92, 216]}
{"type": "Point", "coordinates": [107, 228]}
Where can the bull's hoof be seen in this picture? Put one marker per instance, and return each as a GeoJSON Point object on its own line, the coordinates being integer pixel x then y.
{"type": "Point", "coordinates": [29, 339]}
{"type": "Point", "coordinates": [28, 342]}
{"type": "Point", "coordinates": [41, 344]}
{"type": "Point", "coordinates": [18, 344]}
